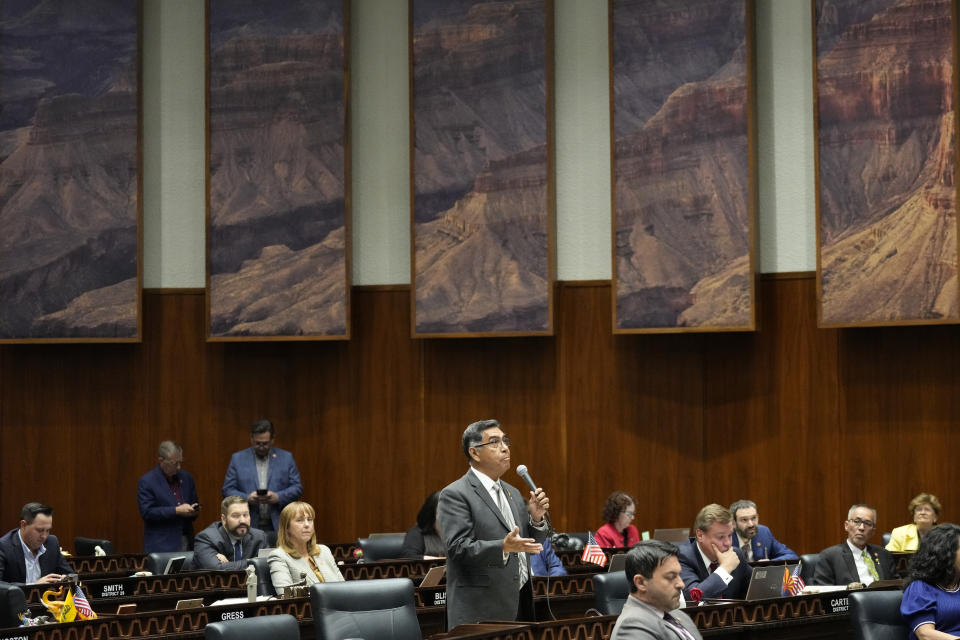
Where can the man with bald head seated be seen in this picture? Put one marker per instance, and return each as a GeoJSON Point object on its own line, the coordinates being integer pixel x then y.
{"type": "Point", "coordinates": [854, 559]}
{"type": "Point", "coordinates": [710, 562]}
{"type": "Point", "coordinates": [653, 572]}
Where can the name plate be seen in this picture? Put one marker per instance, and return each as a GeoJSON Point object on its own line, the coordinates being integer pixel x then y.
{"type": "Point", "coordinates": [231, 615]}
{"type": "Point", "coordinates": [434, 597]}
{"type": "Point", "coordinates": [837, 604]}
{"type": "Point", "coordinates": [119, 588]}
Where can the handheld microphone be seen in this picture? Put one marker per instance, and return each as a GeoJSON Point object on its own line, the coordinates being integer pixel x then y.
{"type": "Point", "coordinates": [523, 473]}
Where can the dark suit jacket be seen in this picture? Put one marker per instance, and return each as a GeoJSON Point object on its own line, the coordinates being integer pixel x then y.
{"type": "Point", "coordinates": [13, 568]}
{"type": "Point", "coordinates": [696, 574]}
{"type": "Point", "coordinates": [836, 565]}
{"type": "Point", "coordinates": [215, 539]}
{"type": "Point", "coordinates": [765, 546]}
{"type": "Point", "coordinates": [479, 585]}
{"type": "Point", "coordinates": [283, 478]}
{"type": "Point", "coordinates": [637, 622]}
{"type": "Point", "coordinates": [163, 529]}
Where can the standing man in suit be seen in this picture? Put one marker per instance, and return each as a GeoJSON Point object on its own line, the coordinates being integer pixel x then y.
{"type": "Point", "coordinates": [488, 529]}
{"type": "Point", "coordinates": [167, 497]}
{"type": "Point", "coordinates": [31, 554]}
{"type": "Point", "coordinates": [710, 563]}
{"type": "Point", "coordinates": [228, 544]}
{"type": "Point", "coordinates": [266, 475]}
{"type": "Point", "coordinates": [650, 611]}
{"type": "Point", "coordinates": [755, 540]}
{"type": "Point", "coordinates": [854, 560]}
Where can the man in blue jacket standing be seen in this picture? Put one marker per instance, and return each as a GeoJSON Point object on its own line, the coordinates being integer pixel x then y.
{"type": "Point", "coordinates": [754, 539]}
{"type": "Point", "coordinates": [266, 475]}
{"type": "Point", "coordinates": [167, 497]}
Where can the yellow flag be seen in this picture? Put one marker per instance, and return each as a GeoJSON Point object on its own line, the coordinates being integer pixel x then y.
{"type": "Point", "coordinates": [68, 612]}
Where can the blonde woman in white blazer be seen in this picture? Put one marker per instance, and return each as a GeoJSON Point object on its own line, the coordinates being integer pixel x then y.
{"type": "Point", "coordinates": [297, 553]}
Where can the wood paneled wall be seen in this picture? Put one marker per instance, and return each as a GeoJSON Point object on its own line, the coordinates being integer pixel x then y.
{"type": "Point", "coordinates": [804, 421]}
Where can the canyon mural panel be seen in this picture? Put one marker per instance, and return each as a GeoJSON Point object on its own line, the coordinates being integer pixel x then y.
{"type": "Point", "coordinates": [482, 169]}
{"type": "Point", "coordinates": [69, 170]}
{"type": "Point", "coordinates": [278, 223]}
{"type": "Point", "coordinates": [887, 238]}
{"type": "Point", "coordinates": [683, 185]}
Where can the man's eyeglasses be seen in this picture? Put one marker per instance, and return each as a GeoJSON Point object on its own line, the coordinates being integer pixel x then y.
{"type": "Point", "coordinates": [496, 442]}
{"type": "Point", "coordinates": [859, 522]}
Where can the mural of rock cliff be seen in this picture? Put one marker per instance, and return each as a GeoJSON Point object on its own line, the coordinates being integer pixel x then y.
{"type": "Point", "coordinates": [69, 170]}
{"type": "Point", "coordinates": [277, 222]}
{"type": "Point", "coordinates": [483, 217]}
{"type": "Point", "coordinates": [887, 205]}
{"type": "Point", "coordinates": [683, 211]}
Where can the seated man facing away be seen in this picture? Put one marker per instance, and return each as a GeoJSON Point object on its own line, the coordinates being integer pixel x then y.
{"type": "Point", "coordinates": [228, 544]}
{"type": "Point", "coordinates": [755, 540]}
{"type": "Point", "coordinates": [853, 560]}
{"type": "Point", "coordinates": [650, 611]}
{"type": "Point", "coordinates": [710, 563]}
{"type": "Point", "coordinates": [30, 554]}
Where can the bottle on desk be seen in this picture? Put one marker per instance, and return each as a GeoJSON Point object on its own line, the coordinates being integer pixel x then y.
{"type": "Point", "coordinates": [251, 583]}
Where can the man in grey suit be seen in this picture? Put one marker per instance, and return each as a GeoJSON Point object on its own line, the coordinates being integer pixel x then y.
{"type": "Point", "coordinates": [488, 529]}
{"type": "Point", "coordinates": [228, 544]}
{"type": "Point", "coordinates": [653, 572]}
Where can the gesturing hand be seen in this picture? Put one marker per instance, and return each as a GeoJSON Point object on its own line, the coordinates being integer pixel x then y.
{"type": "Point", "coordinates": [513, 543]}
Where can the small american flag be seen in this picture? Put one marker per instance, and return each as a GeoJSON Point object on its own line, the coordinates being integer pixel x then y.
{"type": "Point", "coordinates": [592, 552]}
{"type": "Point", "coordinates": [793, 584]}
{"type": "Point", "coordinates": [84, 612]}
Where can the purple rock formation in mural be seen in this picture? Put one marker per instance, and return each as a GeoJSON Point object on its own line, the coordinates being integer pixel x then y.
{"type": "Point", "coordinates": [277, 251]}
{"type": "Point", "coordinates": [682, 191]}
{"type": "Point", "coordinates": [481, 211]}
{"type": "Point", "coordinates": [68, 169]}
{"type": "Point", "coordinates": [888, 244]}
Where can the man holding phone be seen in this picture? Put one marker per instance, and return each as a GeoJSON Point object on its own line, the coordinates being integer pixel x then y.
{"type": "Point", "coordinates": [266, 475]}
{"type": "Point", "coordinates": [167, 497]}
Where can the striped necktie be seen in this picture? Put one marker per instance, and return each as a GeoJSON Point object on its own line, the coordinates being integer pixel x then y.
{"type": "Point", "coordinates": [511, 523]}
{"type": "Point", "coordinates": [676, 627]}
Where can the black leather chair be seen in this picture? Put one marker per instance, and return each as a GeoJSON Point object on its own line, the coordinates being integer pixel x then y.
{"type": "Point", "coordinates": [885, 538]}
{"type": "Point", "coordinates": [157, 561]}
{"type": "Point", "coordinates": [383, 609]}
{"type": "Point", "coordinates": [808, 566]}
{"type": "Point", "coordinates": [610, 592]}
{"type": "Point", "coordinates": [12, 603]}
{"type": "Point", "coordinates": [278, 627]}
{"type": "Point", "coordinates": [85, 546]}
{"type": "Point", "coordinates": [383, 547]}
{"type": "Point", "coordinates": [875, 615]}
{"type": "Point", "coordinates": [264, 581]}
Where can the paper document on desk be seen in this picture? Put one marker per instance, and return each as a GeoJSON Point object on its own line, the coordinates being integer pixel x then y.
{"type": "Point", "coordinates": [241, 600]}
{"type": "Point", "coordinates": [824, 588]}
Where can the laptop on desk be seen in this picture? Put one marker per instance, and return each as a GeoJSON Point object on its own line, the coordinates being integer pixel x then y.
{"type": "Point", "coordinates": [678, 534]}
{"type": "Point", "coordinates": [767, 582]}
